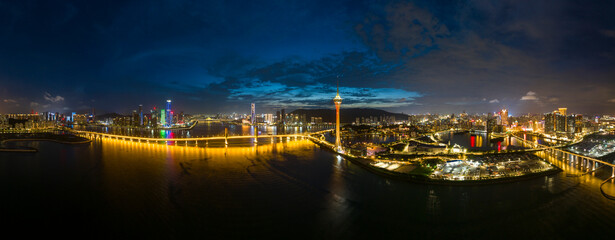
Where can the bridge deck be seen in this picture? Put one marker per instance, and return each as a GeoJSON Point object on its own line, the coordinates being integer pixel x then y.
{"type": "Point", "coordinates": [124, 137]}
{"type": "Point", "coordinates": [562, 151]}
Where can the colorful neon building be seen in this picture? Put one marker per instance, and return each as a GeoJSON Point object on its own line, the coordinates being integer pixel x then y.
{"type": "Point", "coordinates": [169, 114]}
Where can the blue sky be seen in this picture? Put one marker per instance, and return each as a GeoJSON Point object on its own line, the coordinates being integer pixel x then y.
{"type": "Point", "coordinates": [219, 56]}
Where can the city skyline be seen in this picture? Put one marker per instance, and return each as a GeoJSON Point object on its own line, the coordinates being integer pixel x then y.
{"type": "Point", "coordinates": [342, 119]}
{"type": "Point", "coordinates": [407, 56]}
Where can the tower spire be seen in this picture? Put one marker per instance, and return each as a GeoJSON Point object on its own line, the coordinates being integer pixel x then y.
{"type": "Point", "coordinates": [338, 85]}
{"type": "Point", "coordinates": [338, 101]}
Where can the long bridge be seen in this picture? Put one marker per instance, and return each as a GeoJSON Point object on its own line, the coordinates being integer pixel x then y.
{"type": "Point", "coordinates": [226, 137]}
{"type": "Point", "coordinates": [586, 163]}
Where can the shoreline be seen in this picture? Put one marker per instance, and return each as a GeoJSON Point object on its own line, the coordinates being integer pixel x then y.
{"type": "Point", "coordinates": [426, 180]}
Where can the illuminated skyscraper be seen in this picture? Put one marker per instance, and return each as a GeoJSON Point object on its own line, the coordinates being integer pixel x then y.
{"type": "Point", "coordinates": [558, 122]}
{"type": "Point", "coordinates": [564, 120]}
{"type": "Point", "coordinates": [491, 123]}
{"type": "Point", "coordinates": [169, 113]}
{"type": "Point", "coordinates": [141, 115]}
{"type": "Point", "coordinates": [253, 117]}
{"type": "Point", "coordinates": [268, 118]}
{"type": "Point", "coordinates": [134, 120]}
{"type": "Point", "coordinates": [163, 119]}
{"type": "Point", "coordinates": [551, 121]}
{"type": "Point", "coordinates": [338, 101]}
{"type": "Point", "coordinates": [277, 115]}
{"type": "Point", "coordinates": [153, 122]}
{"type": "Point", "coordinates": [504, 116]}
{"type": "Point", "coordinates": [578, 123]}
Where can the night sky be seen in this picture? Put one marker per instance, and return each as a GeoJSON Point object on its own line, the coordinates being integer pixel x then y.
{"type": "Point", "coordinates": [210, 57]}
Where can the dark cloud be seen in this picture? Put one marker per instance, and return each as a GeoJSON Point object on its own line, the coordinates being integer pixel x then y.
{"type": "Point", "coordinates": [219, 56]}
{"type": "Point", "coordinates": [402, 30]}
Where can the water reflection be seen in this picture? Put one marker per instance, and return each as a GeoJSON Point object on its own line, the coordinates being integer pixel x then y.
{"type": "Point", "coordinates": [287, 188]}
{"type": "Point", "coordinates": [479, 141]}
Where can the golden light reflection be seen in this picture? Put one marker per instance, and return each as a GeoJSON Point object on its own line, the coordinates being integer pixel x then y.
{"type": "Point", "coordinates": [479, 141]}
{"type": "Point", "coordinates": [127, 145]}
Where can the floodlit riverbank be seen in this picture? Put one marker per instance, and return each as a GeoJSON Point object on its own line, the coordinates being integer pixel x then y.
{"type": "Point", "coordinates": [491, 169]}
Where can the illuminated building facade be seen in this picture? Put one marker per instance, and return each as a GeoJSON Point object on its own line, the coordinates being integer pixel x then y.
{"type": "Point", "coordinates": [278, 117]}
{"type": "Point", "coordinates": [268, 118]}
{"type": "Point", "coordinates": [154, 118]}
{"type": "Point", "coordinates": [491, 124]}
{"type": "Point", "coordinates": [134, 120]}
{"type": "Point", "coordinates": [316, 120]}
{"type": "Point", "coordinates": [570, 124]}
{"type": "Point", "coordinates": [140, 115]}
{"type": "Point", "coordinates": [253, 116]}
{"type": "Point", "coordinates": [163, 118]}
{"type": "Point", "coordinates": [578, 122]}
{"type": "Point", "coordinates": [558, 122]}
{"type": "Point", "coordinates": [169, 114]}
{"type": "Point", "coordinates": [550, 120]}
{"type": "Point", "coordinates": [338, 101]}
{"type": "Point", "coordinates": [504, 117]}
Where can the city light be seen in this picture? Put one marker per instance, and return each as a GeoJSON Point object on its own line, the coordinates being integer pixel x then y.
{"type": "Point", "coordinates": [224, 119]}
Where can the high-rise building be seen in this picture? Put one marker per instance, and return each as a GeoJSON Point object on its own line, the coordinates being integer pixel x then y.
{"type": "Point", "coordinates": [279, 118]}
{"type": "Point", "coordinates": [169, 113]}
{"type": "Point", "coordinates": [283, 116]}
{"type": "Point", "coordinates": [163, 119]}
{"type": "Point", "coordinates": [253, 115]}
{"type": "Point", "coordinates": [561, 123]}
{"type": "Point", "coordinates": [135, 118]}
{"type": "Point", "coordinates": [268, 118]}
{"type": "Point", "coordinates": [140, 114]}
{"type": "Point", "coordinates": [570, 124]}
{"type": "Point", "coordinates": [316, 120]}
{"type": "Point", "coordinates": [504, 117]}
{"type": "Point", "coordinates": [338, 101]}
{"type": "Point", "coordinates": [578, 123]}
{"type": "Point", "coordinates": [550, 122]}
{"type": "Point", "coordinates": [154, 118]}
{"type": "Point", "coordinates": [491, 123]}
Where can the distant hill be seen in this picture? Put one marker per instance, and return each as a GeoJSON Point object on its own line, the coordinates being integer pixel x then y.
{"type": "Point", "coordinates": [347, 115]}
{"type": "Point", "coordinates": [108, 115]}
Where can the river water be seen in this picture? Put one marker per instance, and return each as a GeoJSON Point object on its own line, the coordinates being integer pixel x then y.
{"type": "Point", "coordinates": [288, 189]}
{"type": "Point", "coordinates": [476, 141]}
